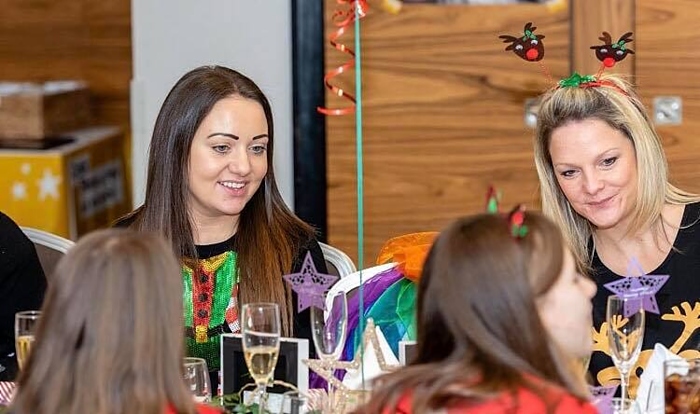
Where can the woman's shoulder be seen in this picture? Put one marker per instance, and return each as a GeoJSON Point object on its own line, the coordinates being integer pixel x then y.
{"type": "Point", "coordinates": [200, 409]}
{"type": "Point", "coordinates": [562, 401]}
{"type": "Point", "coordinates": [691, 215]}
{"type": "Point", "coordinates": [523, 401]}
{"type": "Point", "coordinates": [206, 409]}
{"type": "Point", "coordinates": [309, 245]}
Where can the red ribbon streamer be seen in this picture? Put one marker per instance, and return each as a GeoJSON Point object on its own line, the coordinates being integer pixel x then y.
{"type": "Point", "coordinates": [343, 19]}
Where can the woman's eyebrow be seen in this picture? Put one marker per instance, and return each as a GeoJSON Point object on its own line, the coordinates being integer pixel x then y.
{"type": "Point", "coordinates": [223, 134]}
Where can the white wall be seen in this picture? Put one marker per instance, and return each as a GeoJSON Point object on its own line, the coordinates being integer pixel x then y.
{"type": "Point", "coordinates": [171, 37]}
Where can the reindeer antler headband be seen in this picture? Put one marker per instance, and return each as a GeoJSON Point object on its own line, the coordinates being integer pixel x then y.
{"type": "Point", "coordinates": [531, 48]}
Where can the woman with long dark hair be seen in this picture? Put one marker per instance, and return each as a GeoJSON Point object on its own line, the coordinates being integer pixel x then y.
{"type": "Point", "coordinates": [211, 192]}
{"type": "Point", "coordinates": [503, 316]}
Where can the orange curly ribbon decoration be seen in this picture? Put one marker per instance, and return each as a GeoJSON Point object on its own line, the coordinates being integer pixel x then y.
{"type": "Point", "coordinates": [409, 251]}
{"type": "Point", "coordinates": [343, 19]}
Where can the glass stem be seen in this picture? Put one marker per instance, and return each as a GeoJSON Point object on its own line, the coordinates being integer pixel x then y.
{"type": "Point", "coordinates": [624, 382]}
{"type": "Point", "coordinates": [331, 396]}
{"type": "Point", "coordinates": [260, 397]}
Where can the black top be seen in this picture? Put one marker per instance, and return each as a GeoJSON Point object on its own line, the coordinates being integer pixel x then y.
{"type": "Point", "coordinates": [676, 327]}
{"type": "Point", "coordinates": [22, 287]}
{"type": "Point", "coordinates": [302, 321]}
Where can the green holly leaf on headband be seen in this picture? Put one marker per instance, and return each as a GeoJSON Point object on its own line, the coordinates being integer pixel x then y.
{"type": "Point", "coordinates": [519, 231]}
{"type": "Point", "coordinates": [575, 80]}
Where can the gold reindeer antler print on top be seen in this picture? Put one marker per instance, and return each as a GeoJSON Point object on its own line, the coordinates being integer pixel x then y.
{"type": "Point", "coordinates": [691, 319]}
{"type": "Point", "coordinates": [690, 316]}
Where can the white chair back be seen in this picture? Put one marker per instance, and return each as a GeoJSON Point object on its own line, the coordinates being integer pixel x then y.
{"type": "Point", "coordinates": [49, 247]}
{"type": "Point", "coordinates": [338, 263]}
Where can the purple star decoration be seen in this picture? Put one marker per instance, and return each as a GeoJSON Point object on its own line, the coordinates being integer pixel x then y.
{"type": "Point", "coordinates": [602, 398]}
{"type": "Point", "coordinates": [309, 284]}
{"type": "Point", "coordinates": [639, 288]}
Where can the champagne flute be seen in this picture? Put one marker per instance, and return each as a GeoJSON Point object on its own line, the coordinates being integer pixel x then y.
{"type": "Point", "coordinates": [196, 377]}
{"type": "Point", "coordinates": [260, 326]}
{"type": "Point", "coordinates": [625, 318]}
{"type": "Point", "coordinates": [26, 323]}
{"type": "Point", "coordinates": [329, 328]}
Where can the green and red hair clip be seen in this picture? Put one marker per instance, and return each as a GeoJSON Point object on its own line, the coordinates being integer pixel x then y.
{"type": "Point", "coordinates": [516, 218]}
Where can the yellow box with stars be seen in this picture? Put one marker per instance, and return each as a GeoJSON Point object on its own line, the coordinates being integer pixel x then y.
{"type": "Point", "coordinates": [67, 185]}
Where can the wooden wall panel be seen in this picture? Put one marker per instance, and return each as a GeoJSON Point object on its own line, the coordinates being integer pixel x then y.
{"type": "Point", "coordinates": [443, 117]}
{"type": "Point", "coordinates": [668, 63]}
{"type": "Point", "coordinates": [589, 19]}
{"type": "Point", "coordinates": [71, 39]}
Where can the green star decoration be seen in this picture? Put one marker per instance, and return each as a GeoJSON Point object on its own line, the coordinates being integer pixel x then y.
{"type": "Point", "coordinates": [575, 80]}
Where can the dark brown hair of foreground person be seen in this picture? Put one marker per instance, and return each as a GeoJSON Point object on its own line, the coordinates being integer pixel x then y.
{"type": "Point", "coordinates": [479, 332]}
{"type": "Point", "coordinates": [110, 336]}
{"type": "Point", "coordinates": [269, 234]}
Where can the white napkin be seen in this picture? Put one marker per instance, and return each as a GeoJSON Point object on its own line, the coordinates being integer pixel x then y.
{"type": "Point", "coordinates": [650, 392]}
{"type": "Point", "coordinates": [370, 365]}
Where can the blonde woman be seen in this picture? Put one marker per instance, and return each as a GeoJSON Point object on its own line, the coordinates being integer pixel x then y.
{"type": "Point", "coordinates": [604, 181]}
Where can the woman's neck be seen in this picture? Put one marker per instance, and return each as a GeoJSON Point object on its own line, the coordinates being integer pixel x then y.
{"type": "Point", "coordinates": [649, 246]}
{"type": "Point", "coordinates": [211, 230]}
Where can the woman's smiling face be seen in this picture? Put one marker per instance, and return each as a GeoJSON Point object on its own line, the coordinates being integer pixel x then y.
{"type": "Point", "coordinates": [228, 159]}
{"type": "Point", "coordinates": [596, 168]}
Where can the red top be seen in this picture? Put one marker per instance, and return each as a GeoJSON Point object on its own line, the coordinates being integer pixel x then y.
{"type": "Point", "coordinates": [525, 402]}
{"type": "Point", "coordinates": [201, 409]}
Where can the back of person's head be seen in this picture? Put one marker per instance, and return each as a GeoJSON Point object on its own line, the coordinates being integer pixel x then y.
{"type": "Point", "coordinates": [110, 335]}
{"type": "Point", "coordinates": [479, 329]}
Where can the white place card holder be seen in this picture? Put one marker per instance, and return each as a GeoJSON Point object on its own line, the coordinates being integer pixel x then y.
{"type": "Point", "coordinates": [290, 368]}
{"type": "Point", "coordinates": [407, 351]}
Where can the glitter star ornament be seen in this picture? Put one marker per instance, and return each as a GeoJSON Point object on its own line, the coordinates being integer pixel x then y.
{"type": "Point", "coordinates": [310, 285]}
{"type": "Point", "coordinates": [639, 287]}
{"type": "Point", "coordinates": [326, 368]}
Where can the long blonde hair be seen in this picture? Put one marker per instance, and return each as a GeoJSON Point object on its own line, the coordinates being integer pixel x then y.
{"type": "Point", "coordinates": [110, 336]}
{"type": "Point", "coordinates": [618, 105]}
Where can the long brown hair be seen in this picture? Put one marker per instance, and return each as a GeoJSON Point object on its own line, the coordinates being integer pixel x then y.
{"type": "Point", "coordinates": [479, 331]}
{"type": "Point", "coordinates": [109, 340]}
{"type": "Point", "coordinates": [268, 234]}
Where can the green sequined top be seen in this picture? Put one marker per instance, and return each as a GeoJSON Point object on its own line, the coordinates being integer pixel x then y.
{"type": "Point", "coordinates": [210, 298]}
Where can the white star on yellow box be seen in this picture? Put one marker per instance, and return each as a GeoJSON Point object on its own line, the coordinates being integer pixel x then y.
{"type": "Point", "coordinates": [48, 185]}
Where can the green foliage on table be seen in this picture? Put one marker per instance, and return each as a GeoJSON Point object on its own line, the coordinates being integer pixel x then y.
{"type": "Point", "coordinates": [233, 404]}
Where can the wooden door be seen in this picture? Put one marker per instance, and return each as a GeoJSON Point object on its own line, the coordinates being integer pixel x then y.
{"type": "Point", "coordinates": [443, 105]}
{"type": "Point", "coordinates": [443, 117]}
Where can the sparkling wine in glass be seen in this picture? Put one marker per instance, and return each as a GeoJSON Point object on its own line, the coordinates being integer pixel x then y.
{"type": "Point", "coordinates": [26, 323]}
{"type": "Point", "coordinates": [625, 319]}
{"type": "Point", "coordinates": [329, 329]}
{"type": "Point", "coordinates": [260, 326]}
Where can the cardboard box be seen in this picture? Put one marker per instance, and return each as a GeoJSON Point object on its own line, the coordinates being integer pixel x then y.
{"type": "Point", "coordinates": [36, 111]}
{"type": "Point", "coordinates": [69, 189]}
